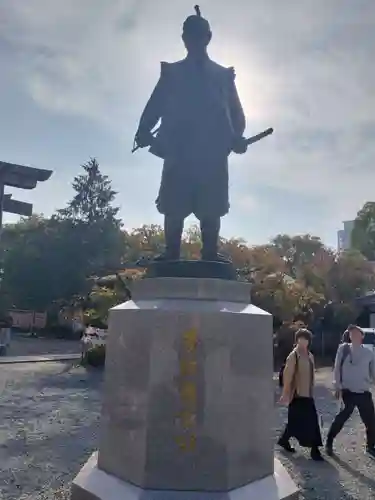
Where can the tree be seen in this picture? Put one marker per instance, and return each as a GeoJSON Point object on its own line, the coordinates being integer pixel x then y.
{"type": "Point", "coordinates": [297, 250]}
{"type": "Point", "coordinates": [238, 250]}
{"type": "Point", "coordinates": [350, 276]}
{"type": "Point", "coordinates": [287, 300]}
{"type": "Point", "coordinates": [148, 241]}
{"type": "Point", "coordinates": [91, 211]}
{"type": "Point", "coordinates": [41, 264]}
{"type": "Point", "coordinates": [191, 244]}
{"type": "Point", "coordinates": [314, 272]}
{"type": "Point", "coordinates": [144, 241]}
{"type": "Point", "coordinates": [363, 234]}
{"type": "Point", "coordinates": [265, 260]}
{"type": "Point", "coordinates": [50, 260]}
{"type": "Point", "coordinates": [93, 199]}
{"type": "Point", "coordinates": [101, 300]}
{"type": "Point", "coordinates": [55, 260]}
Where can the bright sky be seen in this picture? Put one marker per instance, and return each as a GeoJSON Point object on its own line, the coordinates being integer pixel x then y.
{"type": "Point", "coordinates": [76, 75]}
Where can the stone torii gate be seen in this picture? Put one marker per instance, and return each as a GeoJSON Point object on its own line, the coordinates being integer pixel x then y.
{"type": "Point", "coordinates": [22, 177]}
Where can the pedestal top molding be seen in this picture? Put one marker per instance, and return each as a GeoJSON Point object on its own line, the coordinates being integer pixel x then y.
{"type": "Point", "coordinates": [188, 269]}
{"type": "Point", "coordinates": [192, 288]}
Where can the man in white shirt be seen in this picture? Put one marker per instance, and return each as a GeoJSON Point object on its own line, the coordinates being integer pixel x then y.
{"type": "Point", "coordinates": [354, 373]}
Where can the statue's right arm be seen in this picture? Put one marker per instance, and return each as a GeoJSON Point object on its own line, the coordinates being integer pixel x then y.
{"type": "Point", "coordinates": [153, 110]}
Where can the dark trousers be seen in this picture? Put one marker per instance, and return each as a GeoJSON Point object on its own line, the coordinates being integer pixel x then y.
{"type": "Point", "coordinates": [364, 403]}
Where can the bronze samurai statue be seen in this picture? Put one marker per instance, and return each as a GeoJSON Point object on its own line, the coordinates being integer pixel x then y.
{"type": "Point", "coordinates": [202, 122]}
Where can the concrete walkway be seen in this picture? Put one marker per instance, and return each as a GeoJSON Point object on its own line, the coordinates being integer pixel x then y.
{"type": "Point", "coordinates": [38, 359]}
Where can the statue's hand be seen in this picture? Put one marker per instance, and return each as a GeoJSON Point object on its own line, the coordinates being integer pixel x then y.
{"type": "Point", "coordinates": [239, 145]}
{"type": "Point", "coordinates": [143, 138]}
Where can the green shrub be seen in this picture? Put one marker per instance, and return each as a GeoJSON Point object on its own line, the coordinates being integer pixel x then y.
{"type": "Point", "coordinates": [95, 356]}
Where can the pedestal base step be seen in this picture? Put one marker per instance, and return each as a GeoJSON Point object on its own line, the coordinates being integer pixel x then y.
{"type": "Point", "coordinates": [94, 484]}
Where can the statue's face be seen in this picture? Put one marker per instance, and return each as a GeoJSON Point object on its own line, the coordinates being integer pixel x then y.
{"type": "Point", "coordinates": [195, 43]}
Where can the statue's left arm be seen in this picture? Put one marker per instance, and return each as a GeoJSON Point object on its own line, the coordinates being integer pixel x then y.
{"type": "Point", "coordinates": [235, 107]}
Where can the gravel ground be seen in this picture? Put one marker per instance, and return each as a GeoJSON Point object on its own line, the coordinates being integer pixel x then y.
{"type": "Point", "coordinates": [21, 345]}
{"type": "Point", "coordinates": [49, 420]}
{"type": "Point", "coordinates": [49, 414]}
{"type": "Point", "coordinates": [348, 476]}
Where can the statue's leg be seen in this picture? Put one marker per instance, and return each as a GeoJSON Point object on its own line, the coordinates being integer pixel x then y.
{"type": "Point", "coordinates": [210, 229]}
{"type": "Point", "coordinates": [173, 227]}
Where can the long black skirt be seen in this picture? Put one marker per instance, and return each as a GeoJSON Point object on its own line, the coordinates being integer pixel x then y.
{"type": "Point", "coordinates": [303, 422]}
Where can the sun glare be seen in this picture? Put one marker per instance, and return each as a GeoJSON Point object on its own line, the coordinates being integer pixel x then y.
{"type": "Point", "coordinates": [253, 82]}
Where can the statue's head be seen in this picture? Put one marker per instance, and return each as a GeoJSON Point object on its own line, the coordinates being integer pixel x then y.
{"type": "Point", "coordinates": [196, 32]}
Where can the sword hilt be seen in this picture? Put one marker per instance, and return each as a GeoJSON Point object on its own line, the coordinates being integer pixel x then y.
{"type": "Point", "coordinates": [260, 136]}
{"type": "Point", "coordinates": [136, 147]}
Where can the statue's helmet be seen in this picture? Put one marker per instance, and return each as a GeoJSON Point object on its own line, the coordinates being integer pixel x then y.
{"type": "Point", "coordinates": [196, 26]}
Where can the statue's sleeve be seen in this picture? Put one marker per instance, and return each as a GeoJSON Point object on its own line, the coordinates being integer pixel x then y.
{"type": "Point", "coordinates": [154, 107]}
{"type": "Point", "coordinates": [235, 107]}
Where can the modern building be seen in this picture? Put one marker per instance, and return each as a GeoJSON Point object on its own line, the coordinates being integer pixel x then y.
{"type": "Point", "coordinates": [344, 236]}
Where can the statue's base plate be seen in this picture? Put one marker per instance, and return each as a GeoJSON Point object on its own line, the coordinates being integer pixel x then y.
{"type": "Point", "coordinates": [190, 269]}
{"type": "Point", "coordinates": [95, 484]}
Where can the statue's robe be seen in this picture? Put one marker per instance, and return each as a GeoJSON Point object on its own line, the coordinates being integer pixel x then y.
{"type": "Point", "coordinates": [201, 115]}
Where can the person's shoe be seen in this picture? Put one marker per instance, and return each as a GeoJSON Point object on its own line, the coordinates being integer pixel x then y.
{"type": "Point", "coordinates": [286, 446]}
{"type": "Point", "coordinates": [316, 455]}
{"type": "Point", "coordinates": [371, 451]}
{"type": "Point", "coordinates": [329, 449]}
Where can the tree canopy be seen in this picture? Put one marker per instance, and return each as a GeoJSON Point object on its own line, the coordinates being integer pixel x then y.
{"type": "Point", "coordinates": [51, 260]}
{"type": "Point", "coordinates": [363, 234]}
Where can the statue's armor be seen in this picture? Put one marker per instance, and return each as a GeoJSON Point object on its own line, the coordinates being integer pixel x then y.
{"type": "Point", "coordinates": [196, 117]}
{"type": "Point", "coordinates": [196, 104]}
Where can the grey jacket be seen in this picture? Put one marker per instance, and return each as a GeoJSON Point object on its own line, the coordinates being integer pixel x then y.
{"type": "Point", "coordinates": [357, 372]}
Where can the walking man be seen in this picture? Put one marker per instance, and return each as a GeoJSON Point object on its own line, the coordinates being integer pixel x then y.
{"type": "Point", "coordinates": [353, 374]}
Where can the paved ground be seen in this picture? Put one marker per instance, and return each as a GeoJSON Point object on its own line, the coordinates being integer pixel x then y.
{"type": "Point", "coordinates": [49, 421]}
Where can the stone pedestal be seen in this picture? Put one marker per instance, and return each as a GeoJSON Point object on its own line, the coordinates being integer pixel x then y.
{"type": "Point", "coordinates": [188, 401]}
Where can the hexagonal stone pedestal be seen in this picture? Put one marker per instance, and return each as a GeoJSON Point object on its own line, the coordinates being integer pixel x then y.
{"type": "Point", "coordinates": [188, 398]}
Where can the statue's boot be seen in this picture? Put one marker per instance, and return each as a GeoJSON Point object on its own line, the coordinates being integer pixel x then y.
{"type": "Point", "coordinates": [173, 228]}
{"type": "Point", "coordinates": [210, 229]}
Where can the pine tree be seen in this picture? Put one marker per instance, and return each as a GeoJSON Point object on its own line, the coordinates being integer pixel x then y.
{"type": "Point", "coordinates": [93, 198]}
{"type": "Point", "coordinates": [91, 213]}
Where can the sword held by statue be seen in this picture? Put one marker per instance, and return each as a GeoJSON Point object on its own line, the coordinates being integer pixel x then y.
{"type": "Point", "coordinates": [248, 141]}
